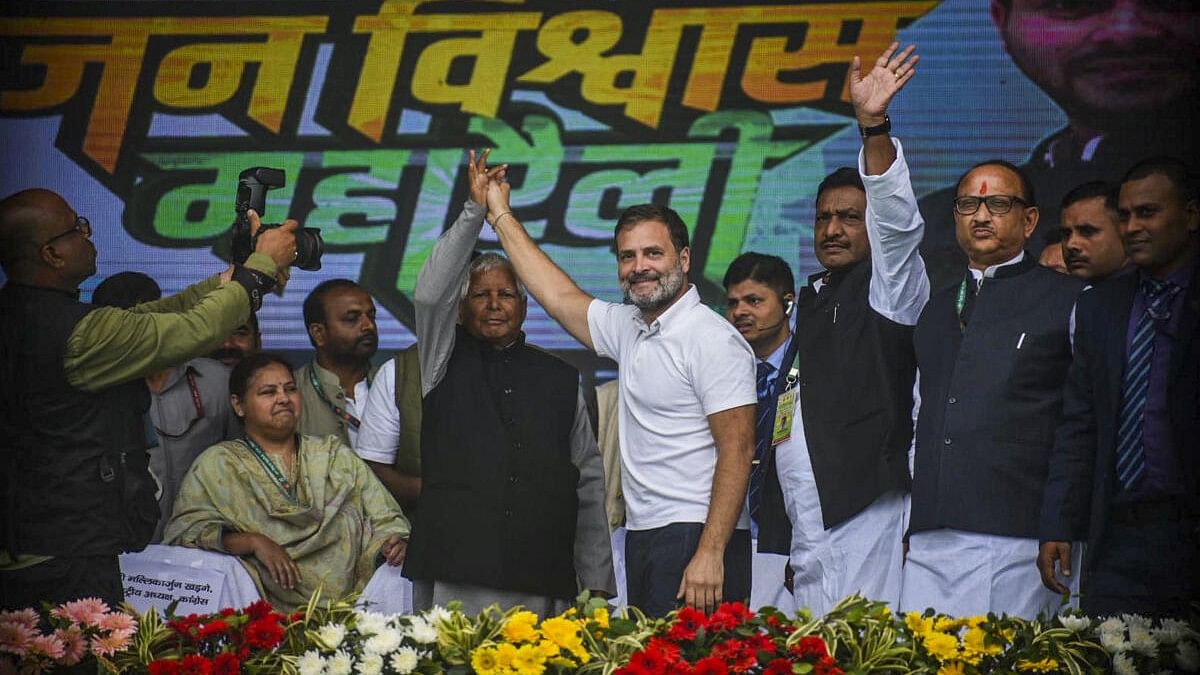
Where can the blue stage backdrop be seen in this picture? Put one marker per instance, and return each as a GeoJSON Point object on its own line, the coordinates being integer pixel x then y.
{"type": "Point", "coordinates": [142, 114]}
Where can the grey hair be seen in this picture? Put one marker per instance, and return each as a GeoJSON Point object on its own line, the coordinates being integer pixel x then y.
{"type": "Point", "coordinates": [487, 261]}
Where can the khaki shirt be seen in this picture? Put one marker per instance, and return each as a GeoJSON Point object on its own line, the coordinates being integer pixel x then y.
{"type": "Point", "coordinates": [317, 417]}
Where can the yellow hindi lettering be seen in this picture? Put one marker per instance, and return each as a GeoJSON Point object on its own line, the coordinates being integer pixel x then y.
{"type": "Point", "coordinates": [769, 55]}
{"type": "Point", "coordinates": [492, 53]}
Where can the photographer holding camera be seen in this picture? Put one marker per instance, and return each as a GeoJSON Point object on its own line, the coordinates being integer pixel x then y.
{"type": "Point", "coordinates": [75, 490]}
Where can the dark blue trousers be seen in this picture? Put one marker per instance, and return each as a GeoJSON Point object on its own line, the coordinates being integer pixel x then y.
{"type": "Point", "coordinates": [655, 561]}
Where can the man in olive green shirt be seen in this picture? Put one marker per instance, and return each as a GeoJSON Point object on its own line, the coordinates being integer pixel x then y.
{"type": "Point", "coordinates": [75, 490]}
{"type": "Point", "coordinates": [340, 318]}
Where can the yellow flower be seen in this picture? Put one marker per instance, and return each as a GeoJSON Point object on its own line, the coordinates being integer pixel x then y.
{"type": "Point", "coordinates": [520, 627]}
{"type": "Point", "coordinates": [483, 661]}
{"type": "Point", "coordinates": [976, 641]}
{"type": "Point", "coordinates": [885, 613]}
{"type": "Point", "coordinates": [529, 661]}
{"type": "Point", "coordinates": [918, 624]}
{"type": "Point", "coordinates": [952, 668]}
{"type": "Point", "coordinates": [976, 621]}
{"type": "Point", "coordinates": [600, 616]}
{"type": "Point", "coordinates": [562, 632]}
{"type": "Point", "coordinates": [505, 655]}
{"type": "Point", "coordinates": [1046, 665]}
{"type": "Point", "coordinates": [947, 624]}
{"type": "Point", "coordinates": [941, 646]}
{"type": "Point", "coordinates": [547, 649]}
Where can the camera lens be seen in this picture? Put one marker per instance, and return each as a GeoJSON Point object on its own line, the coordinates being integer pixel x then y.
{"type": "Point", "coordinates": [309, 248]}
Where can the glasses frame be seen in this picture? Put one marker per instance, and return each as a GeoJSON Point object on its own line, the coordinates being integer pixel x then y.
{"type": "Point", "coordinates": [985, 200]}
{"type": "Point", "coordinates": [82, 225]}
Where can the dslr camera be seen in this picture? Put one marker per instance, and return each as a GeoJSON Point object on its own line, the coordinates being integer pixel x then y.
{"type": "Point", "coordinates": [253, 184]}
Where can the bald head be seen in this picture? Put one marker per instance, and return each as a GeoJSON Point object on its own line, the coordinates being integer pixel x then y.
{"type": "Point", "coordinates": [39, 242]}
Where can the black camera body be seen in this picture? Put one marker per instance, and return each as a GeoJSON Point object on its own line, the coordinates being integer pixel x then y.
{"type": "Point", "coordinates": [253, 184]}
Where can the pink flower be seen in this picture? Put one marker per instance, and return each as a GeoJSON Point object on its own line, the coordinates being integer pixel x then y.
{"type": "Point", "coordinates": [15, 638]}
{"type": "Point", "coordinates": [87, 611]}
{"type": "Point", "coordinates": [107, 645]}
{"type": "Point", "coordinates": [49, 645]}
{"type": "Point", "coordinates": [76, 645]}
{"type": "Point", "coordinates": [118, 621]}
{"type": "Point", "coordinates": [25, 617]}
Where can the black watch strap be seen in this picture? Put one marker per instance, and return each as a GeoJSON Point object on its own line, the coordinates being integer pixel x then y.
{"type": "Point", "coordinates": [256, 284]}
{"type": "Point", "coordinates": [878, 129]}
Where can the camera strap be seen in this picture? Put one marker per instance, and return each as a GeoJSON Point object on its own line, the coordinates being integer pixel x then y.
{"type": "Point", "coordinates": [337, 410]}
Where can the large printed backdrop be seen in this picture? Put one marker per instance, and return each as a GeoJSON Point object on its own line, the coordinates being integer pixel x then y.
{"type": "Point", "coordinates": [143, 113]}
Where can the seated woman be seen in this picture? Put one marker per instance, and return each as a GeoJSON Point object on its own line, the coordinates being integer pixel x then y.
{"type": "Point", "coordinates": [301, 512]}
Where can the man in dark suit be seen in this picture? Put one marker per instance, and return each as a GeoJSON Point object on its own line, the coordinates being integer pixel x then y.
{"type": "Point", "coordinates": [1123, 474]}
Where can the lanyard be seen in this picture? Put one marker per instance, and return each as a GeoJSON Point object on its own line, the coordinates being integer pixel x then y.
{"type": "Point", "coordinates": [337, 410]}
{"type": "Point", "coordinates": [197, 403]}
{"type": "Point", "coordinates": [281, 481]}
{"type": "Point", "coordinates": [961, 302]}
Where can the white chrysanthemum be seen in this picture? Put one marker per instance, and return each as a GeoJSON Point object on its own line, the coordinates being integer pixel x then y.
{"type": "Point", "coordinates": [1123, 665]}
{"type": "Point", "coordinates": [1171, 631]}
{"type": "Point", "coordinates": [1142, 641]}
{"type": "Point", "coordinates": [310, 663]}
{"type": "Point", "coordinates": [370, 623]}
{"type": "Point", "coordinates": [384, 642]}
{"type": "Point", "coordinates": [437, 615]}
{"type": "Point", "coordinates": [1075, 624]}
{"type": "Point", "coordinates": [405, 660]}
{"type": "Point", "coordinates": [371, 664]}
{"type": "Point", "coordinates": [1137, 620]}
{"type": "Point", "coordinates": [422, 631]}
{"type": "Point", "coordinates": [1113, 642]}
{"type": "Point", "coordinates": [1111, 625]}
{"type": "Point", "coordinates": [339, 664]}
{"type": "Point", "coordinates": [1187, 656]}
{"type": "Point", "coordinates": [331, 635]}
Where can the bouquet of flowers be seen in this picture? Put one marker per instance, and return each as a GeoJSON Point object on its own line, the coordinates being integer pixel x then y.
{"type": "Point", "coordinates": [1139, 645]}
{"type": "Point", "coordinates": [66, 636]}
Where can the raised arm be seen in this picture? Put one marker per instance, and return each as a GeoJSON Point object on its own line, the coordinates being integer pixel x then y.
{"type": "Point", "coordinates": [439, 284]}
{"type": "Point", "coordinates": [557, 293]}
{"type": "Point", "coordinates": [899, 284]}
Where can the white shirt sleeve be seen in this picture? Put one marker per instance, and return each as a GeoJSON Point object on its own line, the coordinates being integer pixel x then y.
{"type": "Point", "coordinates": [723, 372]}
{"type": "Point", "coordinates": [899, 284]}
{"type": "Point", "coordinates": [602, 324]}
{"type": "Point", "coordinates": [379, 435]}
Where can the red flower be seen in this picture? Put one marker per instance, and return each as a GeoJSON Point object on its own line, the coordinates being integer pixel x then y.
{"type": "Point", "coordinates": [258, 609]}
{"type": "Point", "coordinates": [227, 664]}
{"type": "Point", "coordinates": [164, 667]}
{"type": "Point", "coordinates": [195, 665]}
{"type": "Point", "coordinates": [810, 647]}
{"type": "Point", "coordinates": [761, 643]}
{"type": "Point", "coordinates": [669, 650]}
{"type": "Point", "coordinates": [185, 626]}
{"type": "Point", "coordinates": [632, 669]}
{"type": "Point", "coordinates": [228, 612]}
{"type": "Point", "coordinates": [827, 666]}
{"type": "Point", "coordinates": [687, 622]}
{"type": "Point", "coordinates": [296, 616]}
{"type": "Point", "coordinates": [779, 667]}
{"type": "Point", "coordinates": [710, 666]}
{"type": "Point", "coordinates": [729, 615]}
{"type": "Point", "coordinates": [264, 633]}
{"type": "Point", "coordinates": [650, 661]}
{"type": "Point", "coordinates": [212, 628]}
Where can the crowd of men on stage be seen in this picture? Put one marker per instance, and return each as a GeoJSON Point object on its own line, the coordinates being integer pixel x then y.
{"type": "Point", "coordinates": [987, 444]}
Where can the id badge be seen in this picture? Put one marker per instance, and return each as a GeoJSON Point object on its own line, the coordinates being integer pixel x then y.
{"type": "Point", "coordinates": [785, 410]}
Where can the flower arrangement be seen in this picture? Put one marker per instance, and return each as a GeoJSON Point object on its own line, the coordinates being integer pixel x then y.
{"type": "Point", "coordinates": [333, 637]}
{"type": "Point", "coordinates": [65, 636]}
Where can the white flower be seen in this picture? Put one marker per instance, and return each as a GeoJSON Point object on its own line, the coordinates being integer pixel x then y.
{"type": "Point", "coordinates": [371, 664]}
{"type": "Point", "coordinates": [1187, 656]}
{"type": "Point", "coordinates": [1114, 642]}
{"type": "Point", "coordinates": [384, 642]}
{"type": "Point", "coordinates": [422, 631]}
{"type": "Point", "coordinates": [1142, 642]}
{"type": "Point", "coordinates": [437, 615]}
{"type": "Point", "coordinates": [331, 635]}
{"type": "Point", "coordinates": [405, 660]}
{"type": "Point", "coordinates": [1137, 620]}
{"type": "Point", "coordinates": [1123, 665]}
{"type": "Point", "coordinates": [1171, 631]}
{"type": "Point", "coordinates": [310, 663]}
{"type": "Point", "coordinates": [370, 623]}
{"type": "Point", "coordinates": [1111, 625]}
{"type": "Point", "coordinates": [340, 663]}
{"type": "Point", "coordinates": [1075, 624]}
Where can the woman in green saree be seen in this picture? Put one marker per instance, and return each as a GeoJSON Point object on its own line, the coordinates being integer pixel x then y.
{"type": "Point", "coordinates": [301, 512]}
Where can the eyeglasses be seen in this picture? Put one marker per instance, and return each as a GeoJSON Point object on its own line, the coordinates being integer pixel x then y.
{"type": "Point", "coordinates": [82, 226]}
{"type": "Point", "coordinates": [997, 205]}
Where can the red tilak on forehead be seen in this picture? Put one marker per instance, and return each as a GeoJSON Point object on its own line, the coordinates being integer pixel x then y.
{"type": "Point", "coordinates": [983, 188]}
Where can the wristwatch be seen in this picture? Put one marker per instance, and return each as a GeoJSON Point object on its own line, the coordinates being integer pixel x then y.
{"type": "Point", "coordinates": [878, 129]}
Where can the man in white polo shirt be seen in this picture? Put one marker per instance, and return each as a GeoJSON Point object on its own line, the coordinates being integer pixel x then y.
{"type": "Point", "coordinates": [686, 400]}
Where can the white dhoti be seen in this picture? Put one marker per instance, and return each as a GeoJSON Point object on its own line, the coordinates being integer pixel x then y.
{"type": "Point", "coordinates": [862, 555]}
{"type": "Point", "coordinates": [969, 574]}
{"type": "Point", "coordinates": [766, 582]}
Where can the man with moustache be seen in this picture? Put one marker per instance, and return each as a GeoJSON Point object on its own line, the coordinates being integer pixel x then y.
{"type": "Point", "coordinates": [1123, 473]}
{"type": "Point", "coordinates": [340, 317]}
{"type": "Point", "coordinates": [686, 398]}
{"type": "Point", "coordinates": [992, 353]}
{"type": "Point", "coordinates": [1091, 242]}
{"type": "Point", "coordinates": [1125, 73]}
{"type": "Point", "coordinates": [842, 471]}
{"type": "Point", "coordinates": [245, 340]}
{"type": "Point", "coordinates": [511, 505]}
{"type": "Point", "coordinates": [75, 489]}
